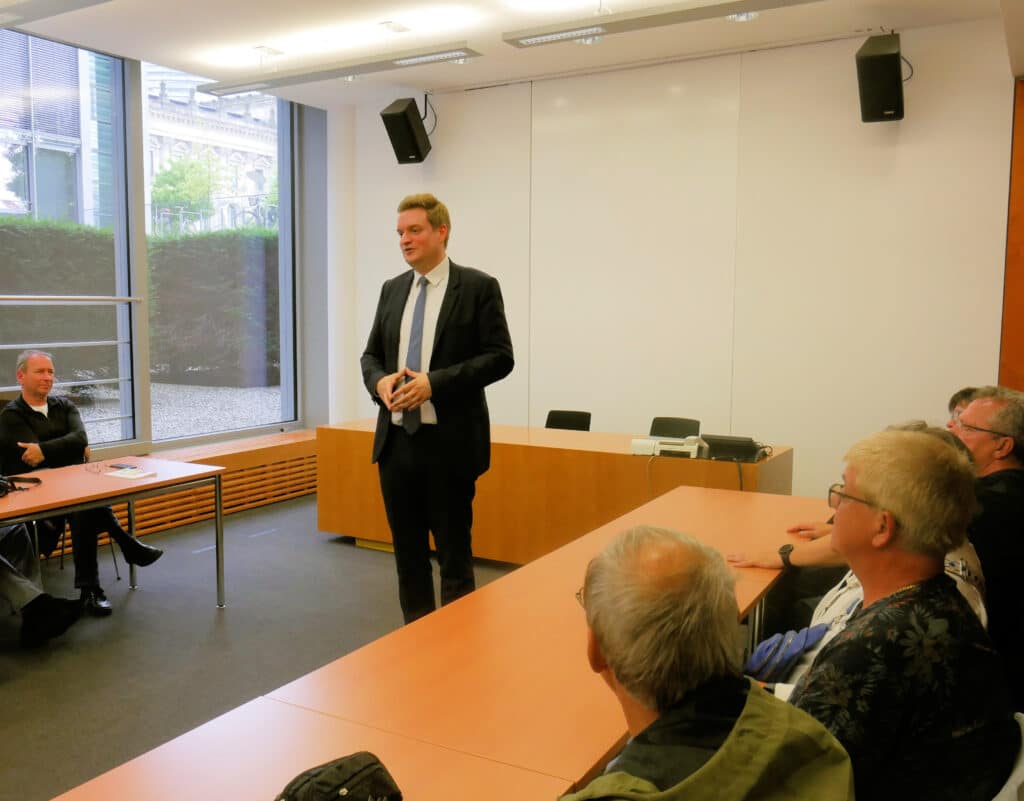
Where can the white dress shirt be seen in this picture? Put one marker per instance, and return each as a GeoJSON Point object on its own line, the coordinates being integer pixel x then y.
{"type": "Point", "coordinates": [437, 282]}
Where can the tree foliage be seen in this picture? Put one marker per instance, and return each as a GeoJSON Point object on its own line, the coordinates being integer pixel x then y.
{"type": "Point", "coordinates": [189, 182]}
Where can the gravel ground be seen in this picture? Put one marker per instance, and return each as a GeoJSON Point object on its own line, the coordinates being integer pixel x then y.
{"type": "Point", "coordinates": [180, 410]}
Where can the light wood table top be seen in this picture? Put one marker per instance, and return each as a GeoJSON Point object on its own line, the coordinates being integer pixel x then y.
{"type": "Point", "coordinates": [253, 751]}
{"type": "Point", "coordinates": [502, 673]}
{"type": "Point", "coordinates": [84, 486]}
{"type": "Point", "coordinates": [63, 487]}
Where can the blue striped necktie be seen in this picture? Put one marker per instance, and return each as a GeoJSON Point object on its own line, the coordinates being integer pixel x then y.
{"type": "Point", "coordinates": [414, 358]}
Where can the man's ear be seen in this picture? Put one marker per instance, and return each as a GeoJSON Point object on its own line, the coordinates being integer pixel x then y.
{"type": "Point", "coordinates": [1005, 448]}
{"type": "Point", "coordinates": [886, 532]}
{"type": "Point", "coordinates": [594, 655]}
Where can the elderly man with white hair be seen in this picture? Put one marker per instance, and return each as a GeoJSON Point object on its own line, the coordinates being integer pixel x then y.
{"type": "Point", "coordinates": [912, 686]}
{"type": "Point", "coordinates": [663, 633]}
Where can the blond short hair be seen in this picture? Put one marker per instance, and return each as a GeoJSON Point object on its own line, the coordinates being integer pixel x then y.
{"type": "Point", "coordinates": [437, 212]}
{"type": "Point", "coordinates": [927, 485]}
{"type": "Point", "coordinates": [662, 607]}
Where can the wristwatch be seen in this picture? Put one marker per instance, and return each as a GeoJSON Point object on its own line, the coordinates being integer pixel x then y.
{"type": "Point", "coordinates": [784, 553]}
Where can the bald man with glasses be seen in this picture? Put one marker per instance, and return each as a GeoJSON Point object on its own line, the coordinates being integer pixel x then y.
{"type": "Point", "coordinates": [992, 428]}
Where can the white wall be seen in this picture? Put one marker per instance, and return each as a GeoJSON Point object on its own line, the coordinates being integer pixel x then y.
{"type": "Point", "coordinates": [721, 238]}
{"type": "Point", "coordinates": [870, 263]}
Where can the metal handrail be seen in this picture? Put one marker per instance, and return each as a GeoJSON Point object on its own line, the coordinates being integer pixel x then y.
{"type": "Point", "coordinates": [73, 299]}
{"type": "Point", "coordinates": [99, 343]}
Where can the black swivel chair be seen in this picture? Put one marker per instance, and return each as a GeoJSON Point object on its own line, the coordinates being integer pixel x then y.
{"type": "Point", "coordinates": [677, 427]}
{"type": "Point", "coordinates": [573, 421]}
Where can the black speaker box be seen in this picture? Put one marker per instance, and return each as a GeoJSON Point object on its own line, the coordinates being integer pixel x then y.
{"type": "Point", "coordinates": [406, 131]}
{"type": "Point", "coordinates": [880, 79]}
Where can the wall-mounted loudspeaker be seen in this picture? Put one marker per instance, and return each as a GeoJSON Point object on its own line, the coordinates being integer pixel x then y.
{"type": "Point", "coordinates": [880, 78]}
{"type": "Point", "coordinates": [406, 131]}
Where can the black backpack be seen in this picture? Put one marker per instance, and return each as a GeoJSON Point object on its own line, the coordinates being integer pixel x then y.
{"type": "Point", "coordinates": [356, 777]}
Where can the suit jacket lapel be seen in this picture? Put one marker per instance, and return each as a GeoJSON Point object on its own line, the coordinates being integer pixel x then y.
{"type": "Point", "coordinates": [397, 304]}
{"type": "Point", "coordinates": [451, 296]}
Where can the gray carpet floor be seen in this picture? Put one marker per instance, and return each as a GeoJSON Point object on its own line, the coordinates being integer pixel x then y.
{"type": "Point", "coordinates": [168, 660]}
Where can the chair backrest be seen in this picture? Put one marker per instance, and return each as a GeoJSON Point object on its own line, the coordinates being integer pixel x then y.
{"type": "Point", "coordinates": [1013, 790]}
{"type": "Point", "coordinates": [574, 421]}
{"type": "Point", "coordinates": [674, 427]}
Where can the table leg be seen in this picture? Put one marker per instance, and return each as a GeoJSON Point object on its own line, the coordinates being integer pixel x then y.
{"type": "Point", "coordinates": [218, 517]}
{"type": "Point", "coordinates": [132, 583]}
{"type": "Point", "coordinates": [755, 625]}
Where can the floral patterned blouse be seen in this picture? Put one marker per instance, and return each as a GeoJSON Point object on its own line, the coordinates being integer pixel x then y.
{"type": "Point", "coordinates": [915, 693]}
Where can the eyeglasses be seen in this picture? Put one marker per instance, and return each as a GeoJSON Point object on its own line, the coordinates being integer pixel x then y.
{"type": "Point", "coordinates": [835, 493]}
{"type": "Point", "coordinates": [579, 597]}
{"type": "Point", "coordinates": [968, 427]}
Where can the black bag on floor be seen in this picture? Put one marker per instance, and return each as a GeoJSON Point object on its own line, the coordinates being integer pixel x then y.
{"type": "Point", "coordinates": [356, 777]}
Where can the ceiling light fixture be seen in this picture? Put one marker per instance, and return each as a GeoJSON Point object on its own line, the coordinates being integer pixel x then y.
{"type": "Point", "coordinates": [453, 51]}
{"type": "Point", "coordinates": [32, 10]}
{"type": "Point", "coordinates": [743, 16]}
{"type": "Point", "coordinates": [431, 58]}
{"type": "Point", "coordinates": [559, 36]}
{"type": "Point", "coordinates": [266, 55]}
{"type": "Point", "coordinates": [642, 19]}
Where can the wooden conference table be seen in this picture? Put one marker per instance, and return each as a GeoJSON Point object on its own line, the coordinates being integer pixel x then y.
{"type": "Point", "coordinates": [546, 487]}
{"type": "Point", "coordinates": [490, 696]}
{"type": "Point", "coordinates": [85, 486]}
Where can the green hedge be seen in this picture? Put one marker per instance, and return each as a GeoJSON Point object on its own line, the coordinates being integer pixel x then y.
{"type": "Point", "coordinates": [213, 301]}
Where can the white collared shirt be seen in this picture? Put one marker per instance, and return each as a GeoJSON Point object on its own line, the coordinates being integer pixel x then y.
{"type": "Point", "coordinates": [437, 282]}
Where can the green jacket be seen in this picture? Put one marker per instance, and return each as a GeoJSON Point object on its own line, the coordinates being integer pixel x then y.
{"type": "Point", "coordinates": [774, 752]}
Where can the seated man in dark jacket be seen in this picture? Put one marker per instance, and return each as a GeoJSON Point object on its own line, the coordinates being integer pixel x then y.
{"type": "Point", "coordinates": [663, 632]}
{"type": "Point", "coordinates": [912, 686]}
{"type": "Point", "coordinates": [38, 431]}
{"type": "Point", "coordinates": [992, 428]}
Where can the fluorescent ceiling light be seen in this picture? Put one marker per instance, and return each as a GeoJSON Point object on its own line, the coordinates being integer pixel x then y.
{"type": "Point", "coordinates": [19, 13]}
{"type": "Point", "coordinates": [325, 72]}
{"type": "Point", "coordinates": [561, 36]}
{"type": "Point", "coordinates": [743, 16]}
{"type": "Point", "coordinates": [642, 19]}
{"type": "Point", "coordinates": [430, 58]}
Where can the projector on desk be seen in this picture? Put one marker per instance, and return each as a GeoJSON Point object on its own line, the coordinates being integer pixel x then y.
{"type": "Point", "coordinates": [688, 448]}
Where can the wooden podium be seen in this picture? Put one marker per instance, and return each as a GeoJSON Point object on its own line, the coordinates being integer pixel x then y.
{"type": "Point", "coordinates": [546, 487]}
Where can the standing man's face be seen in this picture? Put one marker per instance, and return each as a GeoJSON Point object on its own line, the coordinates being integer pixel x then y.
{"type": "Point", "coordinates": [422, 245]}
{"type": "Point", "coordinates": [36, 380]}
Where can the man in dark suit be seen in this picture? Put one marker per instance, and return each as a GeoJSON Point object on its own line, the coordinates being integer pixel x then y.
{"type": "Point", "coordinates": [438, 338]}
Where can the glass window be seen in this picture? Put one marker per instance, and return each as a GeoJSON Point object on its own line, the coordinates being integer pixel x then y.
{"type": "Point", "coordinates": [61, 157]}
{"type": "Point", "coordinates": [14, 179]}
{"type": "Point", "coordinates": [221, 356]}
{"type": "Point", "coordinates": [56, 185]}
{"type": "Point", "coordinates": [218, 251]}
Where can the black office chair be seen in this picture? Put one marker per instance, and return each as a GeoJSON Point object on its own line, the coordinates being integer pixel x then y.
{"type": "Point", "coordinates": [573, 421]}
{"type": "Point", "coordinates": [677, 427]}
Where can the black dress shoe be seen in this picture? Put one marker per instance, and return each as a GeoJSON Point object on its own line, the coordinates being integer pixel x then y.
{"type": "Point", "coordinates": [94, 602]}
{"type": "Point", "coordinates": [46, 617]}
{"type": "Point", "coordinates": [137, 552]}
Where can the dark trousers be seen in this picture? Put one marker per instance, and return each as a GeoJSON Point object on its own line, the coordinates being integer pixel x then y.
{"type": "Point", "coordinates": [424, 494]}
{"type": "Point", "coordinates": [85, 530]}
